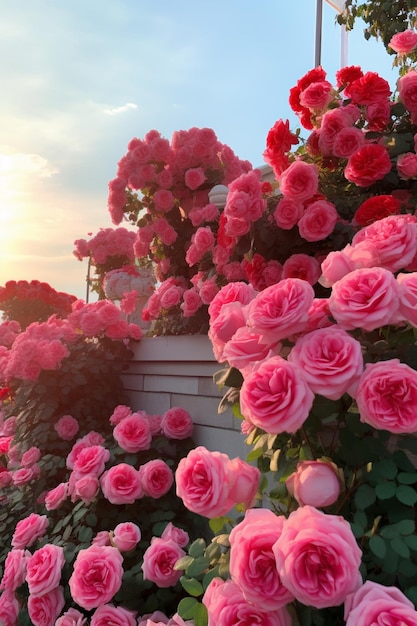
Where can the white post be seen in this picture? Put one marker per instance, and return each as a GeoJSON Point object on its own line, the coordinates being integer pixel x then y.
{"type": "Point", "coordinates": [319, 21]}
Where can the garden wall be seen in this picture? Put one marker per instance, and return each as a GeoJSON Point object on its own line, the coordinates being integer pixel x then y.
{"type": "Point", "coordinates": [178, 371]}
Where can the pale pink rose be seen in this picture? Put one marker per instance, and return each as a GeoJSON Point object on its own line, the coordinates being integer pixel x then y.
{"type": "Point", "coordinates": [121, 484]}
{"type": "Point", "coordinates": [9, 609]}
{"type": "Point", "coordinates": [108, 614]}
{"type": "Point", "coordinates": [30, 457]}
{"type": "Point", "coordinates": [44, 610]}
{"type": "Point", "coordinates": [252, 561]}
{"type": "Point", "coordinates": [281, 310]}
{"type": "Point", "coordinates": [176, 534]}
{"type": "Point", "coordinates": [9, 426]}
{"type": "Point", "coordinates": [373, 602]}
{"type": "Point", "coordinates": [234, 292]}
{"type": "Point", "coordinates": [159, 560]}
{"type": "Point", "coordinates": [314, 483]}
{"type": "Point", "coordinates": [299, 181]}
{"type": "Point", "coordinates": [276, 397]}
{"type": "Point", "coordinates": [150, 619]}
{"type": "Point", "coordinates": [96, 577]}
{"type": "Point", "coordinates": [245, 348]}
{"type": "Point", "coordinates": [44, 569]}
{"type": "Point", "coordinates": [407, 284]}
{"type": "Point", "coordinates": [177, 423]}
{"type": "Point", "coordinates": [302, 266]}
{"type": "Point", "coordinates": [176, 620]}
{"type": "Point", "coordinates": [227, 605]}
{"type": "Point", "coordinates": [72, 617]}
{"type": "Point", "coordinates": [156, 478]}
{"type": "Point", "coordinates": [194, 177]}
{"type": "Point", "coordinates": [231, 317]}
{"type": "Point", "coordinates": [133, 433]}
{"type": "Point", "coordinates": [331, 361]}
{"type": "Point", "coordinates": [317, 557]}
{"type": "Point", "coordinates": [203, 481]}
{"type": "Point", "coordinates": [245, 482]}
{"type": "Point", "coordinates": [91, 460]}
{"type": "Point", "coordinates": [14, 572]}
{"type": "Point", "coordinates": [366, 298]}
{"type": "Point", "coordinates": [404, 42]}
{"type": "Point", "coordinates": [338, 263]}
{"type": "Point", "coordinates": [288, 213]}
{"type": "Point", "coordinates": [318, 221]}
{"type": "Point", "coordinates": [55, 497]}
{"type": "Point", "coordinates": [85, 487]}
{"type": "Point", "coordinates": [348, 141]}
{"type": "Point", "coordinates": [29, 529]}
{"type": "Point", "coordinates": [126, 536]}
{"type": "Point", "coordinates": [119, 413]}
{"type": "Point", "coordinates": [67, 427]}
{"type": "Point", "coordinates": [386, 396]}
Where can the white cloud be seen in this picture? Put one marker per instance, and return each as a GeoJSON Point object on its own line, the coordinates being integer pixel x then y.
{"type": "Point", "coordinates": [121, 109]}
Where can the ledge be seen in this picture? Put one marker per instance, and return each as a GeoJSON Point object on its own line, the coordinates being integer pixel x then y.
{"type": "Point", "coordinates": [174, 348]}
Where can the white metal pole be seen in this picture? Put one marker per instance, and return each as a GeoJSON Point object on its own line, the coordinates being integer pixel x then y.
{"type": "Point", "coordinates": [319, 21]}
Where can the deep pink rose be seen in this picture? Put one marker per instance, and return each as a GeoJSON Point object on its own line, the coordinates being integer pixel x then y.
{"type": "Point", "coordinates": [299, 181]}
{"type": "Point", "coordinates": [159, 560]}
{"type": "Point", "coordinates": [366, 298]}
{"type": "Point", "coordinates": [276, 397]}
{"type": "Point", "coordinates": [302, 266]}
{"type": "Point", "coordinates": [133, 433]}
{"type": "Point", "coordinates": [281, 310]}
{"type": "Point", "coordinates": [30, 457]}
{"type": "Point", "coordinates": [97, 576]}
{"type": "Point", "coordinates": [67, 427]}
{"type": "Point", "coordinates": [318, 221]}
{"type": "Point", "coordinates": [407, 89]}
{"type": "Point", "coordinates": [177, 423]}
{"type": "Point", "coordinates": [14, 572]}
{"type": "Point", "coordinates": [387, 396]}
{"type": "Point", "coordinates": [318, 558]}
{"type": "Point", "coordinates": [233, 292]}
{"type": "Point", "coordinates": [404, 42]}
{"type": "Point", "coordinates": [203, 481]}
{"type": "Point", "coordinates": [245, 349]}
{"type": "Point", "coordinates": [72, 617]}
{"type": "Point", "coordinates": [44, 569]}
{"type": "Point", "coordinates": [408, 296]}
{"type": "Point", "coordinates": [252, 561]}
{"type": "Point", "coordinates": [126, 536]}
{"type": "Point", "coordinates": [29, 529]}
{"type": "Point", "coordinates": [330, 359]}
{"type": "Point", "coordinates": [407, 165]}
{"type": "Point", "coordinates": [156, 478]}
{"type": "Point", "coordinates": [164, 200]}
{"type": "Point", "coordinates": [178, 535]}
{"type": "Point", "coordinates": [191, 302]}
{"type": "Point", "coordinates": [226, 605]}
{"type": "Point", "coordinates": [374, 604]}
{"type": "Point", "coordinates": [119, 413]}
{"type": "Point", "coordinates": [108, 614]}
{"type": "Point", "coordinates": [348, 141]}
{"type": "Point", "coordinates": [9, 609]}
{"type": "Point", "coordinates": [203, 239]}
{"type": "Point", "coordinates": [317, 95]}
{"type": "Point", "coordinates": [55, 497]}
{"type": "Point", "coordinates": [288, 213]}
{"type": "Point", "coordinates": [314, 483]}
{"type": "Point", "coordinates": [43, 610]}
{"type": "Point", "coordinates": [231, 317]}
{"type": "Point", "coordinates": [121, 484]}
{"type": "Point", "coordinates": [194, 177]}
{"type": "Point", "coordinates": [91, 460]}
{"type": "Point", "coordinates": [367, 165]}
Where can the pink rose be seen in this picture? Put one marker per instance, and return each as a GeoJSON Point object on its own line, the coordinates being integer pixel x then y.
{"type": "Point", "coordinates": [407, 165]}
{"type": "Point", "coordinates": [43, 610]}
{"type": "Point", "coordinates": [156, 478]}
{"type": "Point", "coordinates": [288, 213]}
{"type": "Point", "coordinates": [72, 617]}
{"type": "Point", "coordinates": [96, 577]}
{"type": "Point", "coordinates": [252, 561]}
{"type": "Point", "coordinates": [407, 284]}
{"type": "Point", "coordinates": [159, 560]}
{"type": "Point", "coordinates": [29, 529]}
{"type": "Point", "coordinates": [151, 619]}
{"type": "Point", "coordinates": [177, 424]}
{"type": "Point", "coordinates": [281, 310]}
{"type": "Point", "coordinates": [245, 482]}
{"type": "Point", "coordinates": [121, 484]}
{"type": "Point", "coordinates": [14, 572]}
{"type": "Point", "coordinates": [203, 481]}
{"type": "Point", "coordinates": [386, 396]}
{"type": "Point", "coordinates": [67, 427]}
{"type": "Point", "coordinates": [91, 460]}
{"type": "Point", "coordinates": [9, 609]}
{"type": "Point", "coordinates": [44, 569]}
{"type": "Point", "coordinates": [245, 349]}
{"type": "Point", "coordinates": [366, 298]}
{"type": "Point", "coordinates": [23, 476]}
{"type": "Point", "coordinates": [227, 605]}
{"type": "Point", "coordinates": [191, 302]}
{"type": "Point", "coordinates": [133, 433]}
{"type": "Point", "coordinates": [407, 89]}
{"type": "Point", "coordinates": [318, 221]}
{"type": "Point", "coordinates": [302, 266]}
{"type": "Point", "coordinates": [176, 534]}
{"type": "Point", "coordinates": [203, 239]}
{"type": "Point", "coordinates": [119, 413]}
{"type": "Point", "coordinates": [367, 165]}
{"type": "Point", "coordinates": [30, 457]}
{"type": "Point", "coordinates": [86, 488]}
{"type": "Point", "coordinates": [314, 483]}
{"type": "Point", "coordinates": [126, 536]}
{"type": "Point", "coordinates": [330, 359]}
{"type": "Point", "coordinates": [373, 602]}
{"type": "Point", "coordinates": [338, 263]}
{"type": "Point", "coordinates": [348, 141]}
{"type": "Point", "coordinates": [403, 42]}
{"type": "Point", "coordinates": [164, 200]}
{"type": "Point", "coordinates": [55, 497]}
{"type": "Point", "coordinates": [194, 177]}
{"type": "Point", "coordinates": [276, 397]}
{"type": "Point", "coordinates": [102, 538]}
{"type": "Point", "coordinates": [299, 181]}
{"type": "Point", "coordinates": [318, 558]}
{"type": "Point", "coordinates": [107, 614]}
{"type": "Point", "coordinates": [317, 95]}
{"type": "Point", "coordinates": [234, 292]}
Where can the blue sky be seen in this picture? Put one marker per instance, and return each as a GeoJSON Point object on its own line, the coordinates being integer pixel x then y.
{"type": "Point", "coordinates": [80, 79]}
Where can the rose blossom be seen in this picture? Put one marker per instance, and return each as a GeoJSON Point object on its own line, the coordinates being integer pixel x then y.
{"type": "Point", "coordinates": [366, 298]}
{"type": "Point", "coordinates": [156, 478]}
{"type": "Point", "coordinates": [348, 141]}
{"type": "Point", "coordinates": [318, 221]}
{"type": "Point", "coordinates": [159, 560]}
{"type": "Point", "coordinates": [86, 488]}
{"type": "Point", "coordinates": [121, 484]}
{"type": "Point", "coordinates": [299, 181]}
{"type": "Point", "coordinates": [91, 460]}
{"type": "Point", "coordinates": [338, 263]}
{"type": "Point", "coordinates": [231, 317]}
{"type": "Point", "coordinates": [314, 483]}
{"type": "Point", "coordinates": [233, 292]}
{"type": "Point", "coordinates": [404, 42]}
{"type": "Point", "coordinates": [407, 284]}
{"type": "Point", "coordinates": [407, 165]}
{"type": "Point", "coordinates": [14, 572]}
{"type": "Point", "coordinates": [252, 561]}
{"type": "Point", "coordinates": [96, 577]}
{"type": "Point", "coordinates": [330, 359]}
{"type": "Point", "coordinates": [376, 208]}
{"type": "Point", "coordinates": [45, 609]}
{"type": "Point", "coordinates": [176, 534]}
{"type": "Point", "coordinates": [67, 427]}
{"type": "Point", "coordinates": [119, 413]}
{"type": "Point", "coordinates": [107, 614]}
{"type": "Point", "coordinates": [194, 177]}
{"type": "Point", "coordinates": [367, 165]}
{"type": "Point", "coordinates": [288, 213]}
{"type": "Point", "coordinates": [369, 88]}
{"type": "Point", "coordinates": [55, 497]}
{"type": "Point", "coordinates": [29, 529]}
{"type": "Point", "coordinates": [245, 348]}
{"type": "Point", "coordinates": [318, 558]}
{"type": "Point", "coordinates": [72, 617]}
{"type": "Point", "coordinates": [407, 89]}
{"type": "Point", "coordinates": [177, 423]}
{"type": "Point", "coordinates": [30, 457]}
{"type": "Point", "coordinates": [276, 397]}
{"type": "Point", "coordinates": [133, 433]}
{"type": "Point", "coordinates": [387, 396]}
{"type": "Point", "coordinates": [44, 569]}
{"type": "Point", "coordinates": [375, 604]}
{"type": "Point", "coordinates": [126, 536]}
{"type": "Point", "coordinates": [317, 96]}
{"type": "Point", "coordinates": [302, 266]}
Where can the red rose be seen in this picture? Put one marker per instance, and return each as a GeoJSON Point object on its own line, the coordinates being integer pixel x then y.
{"type": "Point", "coordinates": [367, 165]}
{"type": "Point", "coordinates": [376, 208]}
{"type": "Point", "coordinates": [369, 88]}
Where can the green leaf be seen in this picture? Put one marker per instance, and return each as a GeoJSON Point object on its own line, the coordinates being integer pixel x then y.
{"type": "Point", "coordinates": [406, 526]}
{"type": "Point", "coordinates": [186, 608]}
{"type": "Point", "coordinates": [192, 586]}
{"type": "Point", "coordinates": [197, 548]}
{"type": "Point", "coordinates": [385, 491]}
{"type": "Point", "coordinates": [406, 495]}
{"type": "Point", "coordinates": [208, 577]}
{"type": "Point", "coordinates": [400, 547]}
{"type": "Point", "coordinates": [254, 454]}
{"type": "Point", "coordinates": [198, 567]}
{"type": "Point", "coordinates": [183, 562]}
{"type": "Point", "coordinates": [407, 478]}
{"type": "Point", "coordinates": [218, 523]}
{"type": "Point", "coordinates": [364, 497]}
{"type": "Point", "coordinates": [411, 542]}
{"type": "Point", "coordinates": [377, 546]}
{"type": "Point", "coordinates": [200, 615]}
